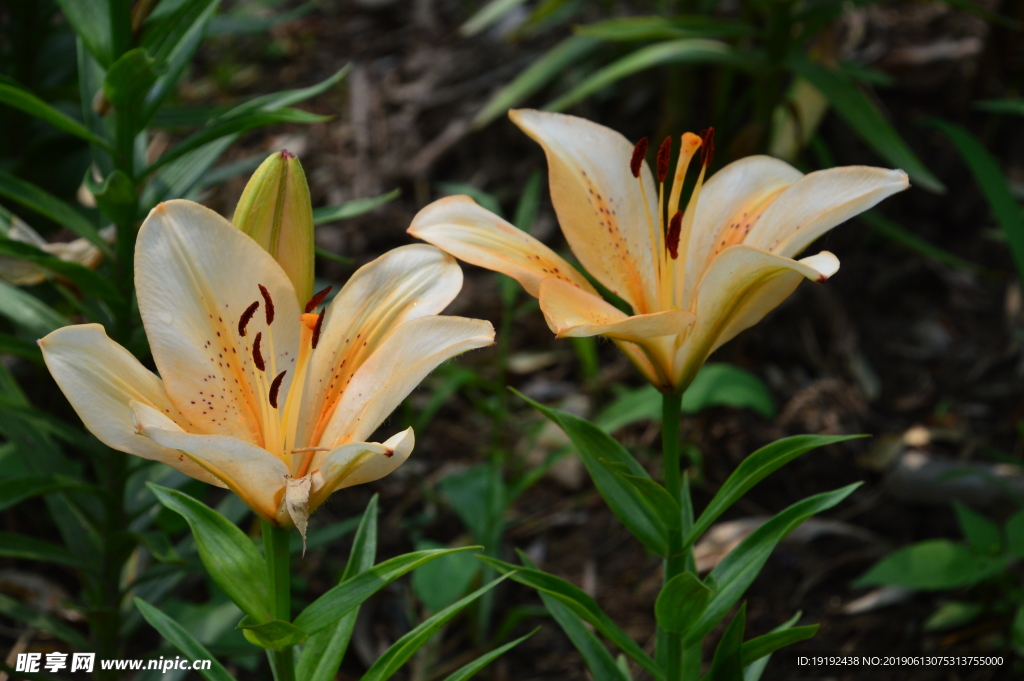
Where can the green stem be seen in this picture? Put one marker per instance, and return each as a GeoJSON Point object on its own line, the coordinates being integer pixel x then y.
{"type": "Point", "coordinates": [676, 563]}
{"type": "Point", "coordinates": [277, 549]}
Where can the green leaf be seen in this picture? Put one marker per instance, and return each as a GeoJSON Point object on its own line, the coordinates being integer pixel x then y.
{"type": "Point", "coordinates": [344, 597]}
{"type": "Point", "coordinates": [273, 635]}
{"type": "Point", "coordinates": [322, 655]}
{"type": "Point", "coordinates": [228, 125]}
{"type": "Point", "coordinates": [653, 28]}
{"type": "Point", "coordinates": [579, 603]}
{"type": "Point", "coordinates": [91, 20]}
{"type": "Point", "coordinates": [487, 16]}
{"type": "Point", "coordinates": [993, 184]}
{"type": "Point", "coordinates": [727, 665]}
{"type": "Point", "coordinates": [31, 196]}
{"type": "Point", "coordinates": [1002, 106]}
{"type": "Point", "coordinates": [279, 100]}
{"type": "Point", "coordinates": [350, 209]}
{"type": "Point", "coordinates": [228, 554]}
{"type": "Point", "coordinates": [687, 50]}
{"type": "Point", "coordinates": [540, 73]}
{"type": "Point", "coordinates": [466, 672]}
{"type": "Point", "coordinates": [641, 404]}
{"type": "Point", "coordinates": [37, 620]}
{"type": "Point", "coordinates": [721, 384]}
{"type": "Point", "coordinates": [932, 565]}
{"type": "Point", "coordinates": [753, 470]}
{"type": "Point", "coordinates": [952, 614]}
{"type": "Point", "coordinates": [178, 636]}
{"type": "Point", "coordinates": [739, 569]}
{"type": "Point", "coordinates": [895, 232]}
{"type": "Point", "coordinates": [404, 648]}
{"type": "Point", "coordinates": [1015, 534]}
{"type": "Point", "coordinates": [22, 99]}
{"type": "Point", "coordinates": [160, 547]}
{"type": "Point", "coordinates": [754, 667]}
{"type": "Point", "coordinates": [128, 78]}
{"type": "Point", "coordinates": [681, 602]}
{"type": "Point", "coordinates": [439, 583]}
{"type": "Point", "coordinates": [15, 490]}
{"type": "Point", "coordinates": [762, 646]}
{"type": "Point", "coordinates": [1017, 629]}
{"type": "Point", "coordinates": [980, 532]}
{"type": "Point", "coordinates": [19, 347]}
{"type": "Point", "coordinates": [86, 280]}
{"type": "Point", "coordinates": [594, 445]}
{"type": "Point", "coordinates": [652, 496]}
{"type": "Point", "coordinates": [115, 196]}
{"type": "Point", "coordinates": [25, 310]}
{"type": "Point", "coordinates": [30, 548]}
{"type": "Point", "coordinates": [863, 116]}
{"type": "Point", "coordinates": [170, 22]}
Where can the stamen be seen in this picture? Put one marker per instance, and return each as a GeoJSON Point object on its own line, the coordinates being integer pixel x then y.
{"type": "Point", "coordinates": [707, 147]}
{"type": "Point", "coordinates": [639, 152]}
{"type": "Point", "coordinates": [269, 309]}
{"type": "Point", "coordinates": [664, 153]}
{"type": "Point", "coordinates": [275, 387]}
{"type": "Point", "coordinates": [317, 299]}
{"type": "Point", "coordinates": [672, 240]}
{"type": "Point", "coordinates": [316, 329]}
{"type": "Point", "coordinates": [256, 356]}
{"type": "Point", "coordinates": [243, 321]}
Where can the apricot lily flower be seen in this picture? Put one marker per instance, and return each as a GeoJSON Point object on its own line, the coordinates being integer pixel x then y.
{"type": "Point", "coordinates": [254, 393]}
{"type": "Point", "coordinates": [694, 276]}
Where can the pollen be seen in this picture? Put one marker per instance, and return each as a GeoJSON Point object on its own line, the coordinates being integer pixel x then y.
{"type": "Point", "coordinates": [269, 308]}
{"type": "Point", "coordinates": [257, 357]}
{"type": "Point", "coordinates": [275, 388]}
{"type": "Point", "coordinates": [243, 321]}
{"type": "Point", "coordinates": [672, 238]}
{"type": "Point", "coordinates": [707, 147]}
{"type": "Point", "coordinates": [316, 328]}
{"type": "Point", "coordinates": [639, 152]}
{"type": "Point", "coordinates": [317, 299]}
{"type": "Point", "coordinates": [664, 152]}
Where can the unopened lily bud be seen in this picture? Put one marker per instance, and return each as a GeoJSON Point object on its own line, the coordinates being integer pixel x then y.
{"type": "Point", "coordinates": [277, 212]}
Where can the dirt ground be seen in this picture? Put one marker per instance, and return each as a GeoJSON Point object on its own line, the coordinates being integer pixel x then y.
{"type": "Point", "coordinates": [893, 341]}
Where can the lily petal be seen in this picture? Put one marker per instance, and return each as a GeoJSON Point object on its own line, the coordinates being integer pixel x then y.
{"type": "Point", "coordinates": [741, 286]}
{"type": "Point", "coordinates": [356, 463]}
{"type": "Point", "coordinates": [410, 282]}
{"type": "Point", "coordinates": [601, 211]}
{"type": "Point", "coordinates": [457, 225]}
{"type": "Point", "coordinates": [401, 362]}
{"type": "Point", "coordinates": [253, 473]}
{"type": "Point", "coordinates": [195, 274]}
{"type": "Point", "coordinates": [101, 379]}
{"type": "Point", "coordinates": [377, 466]}
{"type": "Point", "coordinates": [730, 203]}
{"type": "Point", "coordinates": [571, 312]}
{"type": "Point", "coordinates": [818, 202]}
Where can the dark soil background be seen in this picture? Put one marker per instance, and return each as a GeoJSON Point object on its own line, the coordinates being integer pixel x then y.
{"type": "Point", "coordinates": [894, 342]}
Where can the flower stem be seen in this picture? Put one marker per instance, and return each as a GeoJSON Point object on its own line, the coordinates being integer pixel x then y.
{"type": "Point", "coordinates": [676, 563]}
{"type": "Point", "coordinates": [276, 548]}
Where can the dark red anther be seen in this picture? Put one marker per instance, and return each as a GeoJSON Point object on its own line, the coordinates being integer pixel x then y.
{"type": "Point", "coordinates": [388, 452]}
{"type": "Point", "coordinates": [317, 299]}
{"type": "Point", "coordinates": [317, 327]}
{"type": "Point", "coordinates": [275, 388]}
{"type": "Point", "coordinates": [639, 152]}
{"type": "Point", "coordinates": [664, 152]}
{"type": "Point", "coordinates": [257, 357]}
{"type": "Point", "coordinates": [269, 308]}
{"type": "Point", "coordinates": [707, 147]}
{"type": "Point", "coordinates": [672, 238]}
{"type": "Point", "coordinates": [285, 154]}
{"type": "Point", "coordinates": [243, 321]}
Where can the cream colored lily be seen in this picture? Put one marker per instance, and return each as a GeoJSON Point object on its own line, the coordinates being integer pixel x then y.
{"type": "Point", "coordinates": [694, 278]}
{"type": "Point", "coordinates": [254, 393]}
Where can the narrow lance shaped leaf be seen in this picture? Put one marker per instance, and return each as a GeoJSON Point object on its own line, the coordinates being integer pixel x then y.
{"type": "Point", "coordinates": [727, 665]}
{"type": "Point", "coordinates": [465, 673]}
{"type": "Point", "coordinates": [44, 203]}
{"type": "Point", "coordinates": [181, 639]}
{"type": "Point", "coordinates": [681, 601]}
{"type": "Point", "coordinates": [22, 99]}
{"type": "Point", "coordinates": [29, 548]}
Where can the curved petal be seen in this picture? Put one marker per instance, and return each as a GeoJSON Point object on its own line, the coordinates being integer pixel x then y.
{"type": "Point", "coordinates": [457, 225]}
{"type": "Point", "coordinates": [356, 463]}
{"type": "Point", "coordinates": [406, 283]}
{"type": "Point", "coordinates": [375, 467]}
{"type": "Point", "coordinates": [741, 286]}
{"type": "Point", "coordinates": [253, 473]}
{"type": "Point", "coordinates": [101, 379]}
{"type": "Point", "coordinates": [600, 207]}
{"type": "Point", "coordinates": [401, 362]}
{"type": "Point", "coordinates": [730, 203]}
{"type": "Point", "coordinates": [195, 274]}
{"type": "Point", "coordinates": [571, 312]}
{"type": "Point", "coordinates": [818, 202]}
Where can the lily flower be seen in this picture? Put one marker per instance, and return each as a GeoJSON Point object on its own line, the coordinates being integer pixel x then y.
{"type": "Point", "coordinates": [257, 394]}
{"type": "Point", "coordinates": [694, 276]}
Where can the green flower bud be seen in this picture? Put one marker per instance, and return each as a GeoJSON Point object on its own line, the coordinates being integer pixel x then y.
{"type": "Point", "coordinates": [277, 212]}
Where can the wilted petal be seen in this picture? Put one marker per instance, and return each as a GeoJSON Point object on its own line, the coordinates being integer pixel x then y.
{"type": "Point", "coordinates": [818, 202]}
{"type": "Point", "coordinates": [571, 312]}
{"type": "Point", "coordinates": [598, 201]}
{"type": "Point", "coordinates": [741, 286]}
{"type": "Point", "coordinates": [404, 284]}
{"type": "Point", "coordinates": [195, 274]}
{"type": "Point", "coordinates": [253, 473]}
{"type": "Point", "coordinates": [730, 203]}
{"type": "Point", "coordinates": [101, 379]}
{"type": "Point", "coordinates": [457, 225]}
{"type": "Point", "coordinates": [401, 362]}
